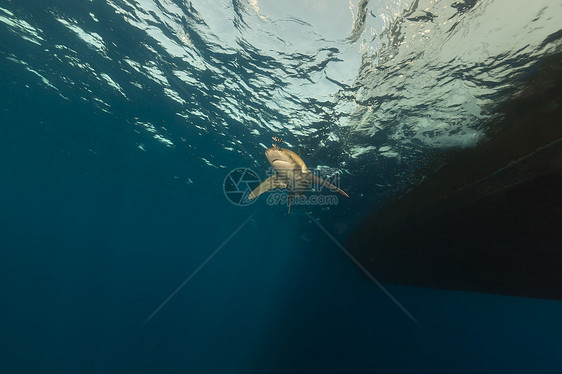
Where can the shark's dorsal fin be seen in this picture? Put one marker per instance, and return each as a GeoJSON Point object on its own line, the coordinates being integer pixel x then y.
{"type": "Point", "coordinates": [269, 184]}
{"type": "Point", "coordinates": [321, 182]}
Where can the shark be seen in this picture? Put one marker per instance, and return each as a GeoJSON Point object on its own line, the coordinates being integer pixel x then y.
{"type": "Point", "coordinates": [291, 173]}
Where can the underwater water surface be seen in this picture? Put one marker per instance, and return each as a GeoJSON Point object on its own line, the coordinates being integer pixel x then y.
{"type": "Point", "coordinates": [120, 120]}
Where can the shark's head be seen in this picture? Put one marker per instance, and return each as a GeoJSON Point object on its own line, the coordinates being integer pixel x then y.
{"type": "Point", "coordinates": [285, 159]}
{"type": "Point", "coordinates": [279, 158]}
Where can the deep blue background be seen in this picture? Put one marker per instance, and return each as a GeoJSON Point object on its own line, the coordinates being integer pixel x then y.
{"type": "Point", "coordinates": [91, 244]}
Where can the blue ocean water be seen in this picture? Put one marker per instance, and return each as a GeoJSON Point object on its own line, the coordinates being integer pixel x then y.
{"type": "Point", "coordinates": [120, 120]}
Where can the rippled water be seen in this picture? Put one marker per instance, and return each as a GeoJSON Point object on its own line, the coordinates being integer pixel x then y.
{"type": "Point", "coordinates": [360, 86]}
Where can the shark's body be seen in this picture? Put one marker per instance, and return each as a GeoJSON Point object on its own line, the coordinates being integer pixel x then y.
{"type": "Point", "coordinates": [291, 173]}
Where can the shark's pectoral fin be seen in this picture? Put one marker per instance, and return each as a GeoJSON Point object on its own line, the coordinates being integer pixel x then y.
{"type": "Point", "coordinates": [321, 182]}
{"type": "Point", "coordinates": [270, 183]}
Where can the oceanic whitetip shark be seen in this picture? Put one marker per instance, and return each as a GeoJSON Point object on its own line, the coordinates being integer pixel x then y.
{"type": "Point", "coordinates": [291, 173]}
